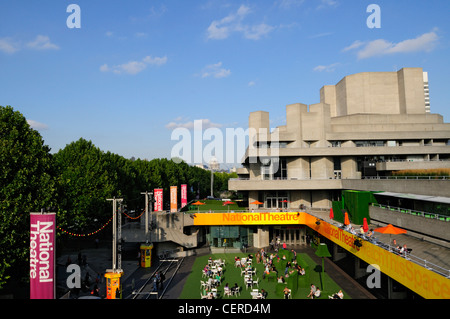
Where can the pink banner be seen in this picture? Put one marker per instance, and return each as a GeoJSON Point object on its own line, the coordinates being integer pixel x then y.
{"type": "Point", "coordinates": [42, 260]}
{"type": "Point", "coordinates": [158, 193]}
{"type": "Point", "coordinates": [183, 195]}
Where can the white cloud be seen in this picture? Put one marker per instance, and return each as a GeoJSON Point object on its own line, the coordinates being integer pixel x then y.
{"type": "Point", "coordinates": [37, 125]}
{"type": "Point", "coordinates": [425, 42]}
{"type": "Point", "coordinates": [134, 67]}
{"type": "Point", "coordinates": [327, 4]}
{"type": "Point", "coordinates": [287, 4]}
{"type": "Point", "coordinates": [155, 60]}
{"type": "Point", "coordinates": [7, 45]}
{"type": "Point", "coordinates": [327, 68]}
{"type": "Point", "coordinates": [251, 83]}
{"type": "Point", "coordinates": [352, 46]}
{"type": "Point", "coordinates": [221, 29]}
{"type": "Point", "coordinates": [255, 32]}
{"type": "Point", "coordinates": [205, 124]}
{"type": "Point", "coordinates": [215, 70]}
{"type": "Point", "coordinates": [42, 42]}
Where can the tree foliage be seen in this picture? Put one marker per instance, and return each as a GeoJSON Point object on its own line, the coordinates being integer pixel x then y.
{"type": "Point", "coordinates": [75, 182]}
{"type": "Point", "coordinates": [26, 185]}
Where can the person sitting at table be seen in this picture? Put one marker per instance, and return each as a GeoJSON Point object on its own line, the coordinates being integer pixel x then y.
{"type": "Point", "coordinates": [218, 279]}
{"type": "Point", "coordinates": [404, 250]}
{"type": "Point", "coordinates": [316, 293]}
{"type": "Point", "coordinates": [311, 291]}
{"type": "Point", "coordinates": [361, 230]}
{"type": "Point", "coordinates": [286, 292]}
{"type": "Point", "coordinates": [235, 288]}
{"type": "Point", "coordinates": [274, 269]}
{"type": "Point", "coordinates": [280, 280]}
{"type": "Point", "coordinates": [262, 294]}
{"type": "Point", "coordinates": [338, 295]}
{"type": "Point", "coordinates": [301, 271]}
{"type": "Point", "coordinates": [207, 270]}
{"type": "Point", "coordinates": [294, 255]}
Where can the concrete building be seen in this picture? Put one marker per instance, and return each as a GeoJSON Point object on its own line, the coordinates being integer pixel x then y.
{"type": "Point", "coordinates": [364, 127]}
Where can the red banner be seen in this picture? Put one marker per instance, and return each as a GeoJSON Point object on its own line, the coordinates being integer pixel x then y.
{"type": "Point", "coordinates": [42, 259]}
{"type": "Point", "coordinates": [183, 195]}
{"type": "Point", "coordinates": [173, 199]}
{"type": "Point", "coordinates": [158, 193]}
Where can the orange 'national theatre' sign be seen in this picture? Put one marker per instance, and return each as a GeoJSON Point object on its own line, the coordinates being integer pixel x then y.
{"type": "Point", "coordinates": [276, 218]}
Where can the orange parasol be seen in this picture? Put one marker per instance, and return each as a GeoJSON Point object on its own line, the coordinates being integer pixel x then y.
{"type": "Point", "coordinates": [346, 219]}
{"type": "Point", "coordinates": [227, 203]}
{"type": "Point", "coordinates": [198, 203]}
{"type": "Point", "coordinates": [256, 203]}
{"type": "Point", "coordinates": [389, 229]}
{"type": "Point", "coordinates": [365, 225]}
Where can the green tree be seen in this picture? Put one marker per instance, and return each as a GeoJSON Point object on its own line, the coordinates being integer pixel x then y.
{"type": "Point", "coordinates": [86, 177]}
{"type": "Point", "coordinates": [26, 185]}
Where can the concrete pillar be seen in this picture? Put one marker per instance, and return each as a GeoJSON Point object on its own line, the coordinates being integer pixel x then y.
{"type": "Point", "coordinates": [338, 254]}
{"type": "Point", "coordinates": [320, 199]}
{"type": "Point", "coordinates": [349, 167]}
{"type": "Point", "coordinates": [261, 237]}
{"type": "Point", "coordinates": [359, 271]}
{"type": "Point", "coordinates": [394, 294]}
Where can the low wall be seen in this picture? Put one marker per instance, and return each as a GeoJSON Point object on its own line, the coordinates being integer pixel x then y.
{"type": "Point", "coordinates": [417, 226]}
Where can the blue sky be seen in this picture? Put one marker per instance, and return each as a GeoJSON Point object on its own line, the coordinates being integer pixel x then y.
{"type": "Point", "coordinates": [137, 69]}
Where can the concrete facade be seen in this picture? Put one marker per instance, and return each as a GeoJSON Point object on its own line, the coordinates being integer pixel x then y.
{"type": "Point", "coordinates": [367, 125]}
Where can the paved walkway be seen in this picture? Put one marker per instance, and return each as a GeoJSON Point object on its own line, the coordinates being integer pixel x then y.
{"type": "Point", "coordinates": [98, 260]}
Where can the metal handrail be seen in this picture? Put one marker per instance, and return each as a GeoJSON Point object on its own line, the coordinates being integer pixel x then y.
{"type": "Point", "coordinates": [413, 212]}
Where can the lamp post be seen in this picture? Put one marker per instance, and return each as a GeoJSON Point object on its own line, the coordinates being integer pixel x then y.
{"type": "Point", "coordinates": [322, 251]}
{"type": "Point", "coordinates": [214, 166]}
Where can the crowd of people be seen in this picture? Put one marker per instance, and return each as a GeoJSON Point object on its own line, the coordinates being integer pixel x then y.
{"type": "Point", "coordinates": [214, 269]}
{"type": "Point", "coordinates": [213, 272]}
{"type": "Point", "coordinates": [368, 235]}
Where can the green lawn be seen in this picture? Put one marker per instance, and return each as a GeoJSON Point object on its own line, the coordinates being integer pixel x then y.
{"type": "Point", "coordinates": [215, 206]}
{"type": "Point", "coordinates": [232, 275]}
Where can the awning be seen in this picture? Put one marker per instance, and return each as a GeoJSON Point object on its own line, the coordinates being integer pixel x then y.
{"type": "Point", "coordinates": [436, 199]}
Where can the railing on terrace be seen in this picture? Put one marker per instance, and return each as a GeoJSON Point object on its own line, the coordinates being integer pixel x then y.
{"type": "Point", "coordinates": [413, 212]}
{"type": "Point", "coordinates": [409, 177]}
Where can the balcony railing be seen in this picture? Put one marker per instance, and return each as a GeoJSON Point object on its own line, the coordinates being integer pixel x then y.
{"type": "Point", "coordinates": [414, 212]}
